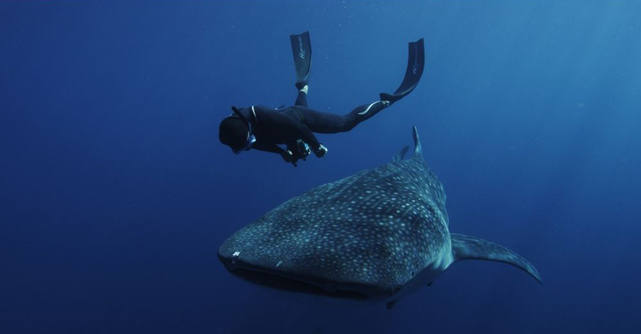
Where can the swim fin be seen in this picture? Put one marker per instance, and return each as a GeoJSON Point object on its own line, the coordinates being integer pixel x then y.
{"type": "Point", "coordinates": [302, 50]}
{"type": "Point", "coordinates": [415, 64]}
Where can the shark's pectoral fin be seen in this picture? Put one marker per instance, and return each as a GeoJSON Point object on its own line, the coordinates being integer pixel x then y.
{"type": "Point", "coordinates": [390, 305]}
{"type": "Point", "coordinates": [401, 154]}
{"type": "Point", "coordinates": [466, 247]}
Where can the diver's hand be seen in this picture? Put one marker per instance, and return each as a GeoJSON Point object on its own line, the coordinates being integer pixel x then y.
{"type": "Point", "coordinates": [321, 151]}
{"type": "Point", "coordinates": [303, 149]}
{"type": "Point", "coordinates": [287, 155]}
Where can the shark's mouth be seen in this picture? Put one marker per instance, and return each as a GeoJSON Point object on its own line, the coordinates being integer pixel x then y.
{"type": "Point", "coordinates": [292, 283]}
{"type": "Point", "coordinates": [288, 284]}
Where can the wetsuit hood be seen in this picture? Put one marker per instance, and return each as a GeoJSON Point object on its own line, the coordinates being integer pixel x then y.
{"type": "Point", "coordinates": [233, 132]}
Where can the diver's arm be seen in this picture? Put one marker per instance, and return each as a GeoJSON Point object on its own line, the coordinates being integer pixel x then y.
{"type": "Point", "coordinates": [273, 148]}
{"type": "Point", "coordinates": [296, 130]}
{"type": "Point", "coordinates": [281, 123]}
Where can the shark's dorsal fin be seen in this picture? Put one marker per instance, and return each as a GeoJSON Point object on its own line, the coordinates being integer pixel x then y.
{"type": "Point", "coordinates": [418, 150]}
{"type": "Point", "coordinates": [401, 154]}
{"type": "Point", "coordinates": [465, 247]}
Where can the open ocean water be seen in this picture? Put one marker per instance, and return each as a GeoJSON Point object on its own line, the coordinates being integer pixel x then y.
{"type": "Point", "coordinates": [115, 192]}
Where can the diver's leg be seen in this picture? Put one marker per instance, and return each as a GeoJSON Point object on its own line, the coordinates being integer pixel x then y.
{"type": "Point", "coordinates": [301, 99]}
{"type": "Point", "coordinates": [322, 122]}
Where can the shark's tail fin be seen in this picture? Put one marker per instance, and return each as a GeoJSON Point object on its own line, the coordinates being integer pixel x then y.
{"type": "Point", "coordinates": [418, 150]}
{"type": "Point", "coordinates": [465, 247]}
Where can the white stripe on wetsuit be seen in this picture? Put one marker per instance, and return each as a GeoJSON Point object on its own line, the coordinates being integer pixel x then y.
{"type": "Point", "coordinates": [255, 117]}
{"type": "Point", "coordinates": [368, 108]}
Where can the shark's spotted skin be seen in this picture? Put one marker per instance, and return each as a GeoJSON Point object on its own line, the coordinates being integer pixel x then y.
{"type": "Point", "coordinates": [368, 236]}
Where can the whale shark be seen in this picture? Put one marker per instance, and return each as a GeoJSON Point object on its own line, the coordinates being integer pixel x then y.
{"type": "Point", "coordinates": [372, 237]}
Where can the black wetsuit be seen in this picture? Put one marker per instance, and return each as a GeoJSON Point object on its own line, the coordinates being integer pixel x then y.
{"type": "Point", "coordinates": [286, 125]}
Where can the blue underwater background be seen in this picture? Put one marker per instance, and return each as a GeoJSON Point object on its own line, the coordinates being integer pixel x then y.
{"type": "Point", "coordinates": [116, 193]}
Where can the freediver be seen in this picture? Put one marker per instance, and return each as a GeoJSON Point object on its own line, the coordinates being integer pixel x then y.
{"type": "Point", "coordinates": [265, 128]}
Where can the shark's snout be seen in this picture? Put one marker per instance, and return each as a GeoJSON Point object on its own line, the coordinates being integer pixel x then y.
{"type": "Point", "coordinates": [275, 278]}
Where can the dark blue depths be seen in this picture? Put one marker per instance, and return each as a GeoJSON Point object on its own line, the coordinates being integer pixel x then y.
{"type": "Point", "coordinates": [116, 193]}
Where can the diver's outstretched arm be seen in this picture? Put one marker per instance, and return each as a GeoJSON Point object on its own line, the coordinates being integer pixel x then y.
{"type": "Point", "coordinates": [287, 155]}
